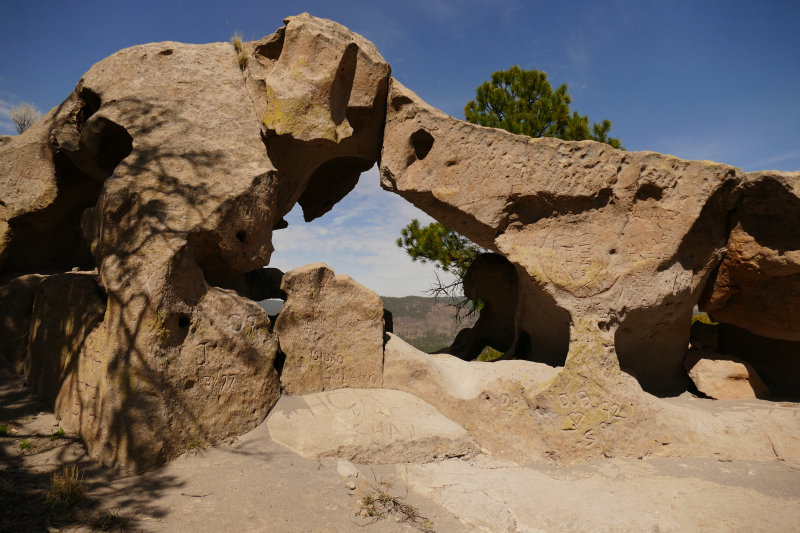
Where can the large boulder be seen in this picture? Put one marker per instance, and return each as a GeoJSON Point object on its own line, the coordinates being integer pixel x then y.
{"type": "Point", "coordinates": [206, 377]}
{"type": "Point", "coordinates": [758, 284]}
{"type": "Point", "coordinates": [44, 189]}
{"type": "Point", "coordinates": [368, 427]}
{"type": "Point", "coordinates": [155, 171]}
{"type": "Point", "coordinates": [724, 377]}
{"type": "Point", "coordinates": [319, 91]}
{"type": "Point", "coordinates": [331, 331]}
{"type": "Point", "coordinates": [606, 243]}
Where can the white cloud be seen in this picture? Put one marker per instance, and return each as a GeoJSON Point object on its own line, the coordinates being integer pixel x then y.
{"type": "Point", "coordinates": [357, 238]}
{"type": "Point", "coordinates": [6, 126]}
{"type": "Point", "coordinates": [786, 156]}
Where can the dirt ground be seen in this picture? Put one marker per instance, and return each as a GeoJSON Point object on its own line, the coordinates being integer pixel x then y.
{"type": "Point", "coordinates": [255, 484]}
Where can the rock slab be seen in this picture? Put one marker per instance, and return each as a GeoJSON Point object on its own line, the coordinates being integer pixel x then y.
{"type": "Point", "coordinates": [724, 377]}
{"type": "Point", "coordinates": [367, 426]}
{"type": "Point", "coordinates": [331, 331]}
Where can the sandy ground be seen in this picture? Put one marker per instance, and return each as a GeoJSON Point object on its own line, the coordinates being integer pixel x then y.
{"type": "Point", "coordinates": [255, 484]}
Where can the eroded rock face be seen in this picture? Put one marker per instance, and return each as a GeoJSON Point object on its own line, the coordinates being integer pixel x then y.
{"type": "Point", "coordinates": [202, 379]}
{"type": "Point", "coordinates": [16, 305]}
{"type": "Point", "coordinates": [319, 91]}
{"type": "Point", "coordinates": [758, 284]}
{"type": "Point", "coordinates": [331, 330]}
{"type": "Point", "coordinates": [724, 377]}
{"type": "Point", "coordinates": [526, 411]}
{"type": "Point", "coordinates": [492, 279]}
{"type": "Point", "coordinates": [44, 188]}
{"type": "Point", "coordinates": [606, 243]}
{"type": "Point", "coordinates": [188, 201]}
{"type": "Point", "coordinates": [367, 427]}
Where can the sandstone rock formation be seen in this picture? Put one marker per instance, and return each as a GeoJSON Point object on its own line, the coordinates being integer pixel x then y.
{"type": "Point", "coordinates": [775, 360]}
{"type": "Point", "coordinates": [367, 427]}
{"type": "Point", "coordinates": [136, 221]}
{"type": "Point", "coordinates": [331, 330]}
{"type": "Point", "coordinates": [492, 279]}
{"type": "Point", "coordinates": [724, 377]}
{"type": "Point", "coordinates": [606, 243]}
{"type": "Point", "coordinates": [526, 411]}
{"type": "Point", "coordinates": [758, 284]}
{"type": "Point", "coordinates": [158, 160]}
{"type": "Point", "coordinates": [16, 305]}
{"type": "Point", "coordinates": [319, 91]}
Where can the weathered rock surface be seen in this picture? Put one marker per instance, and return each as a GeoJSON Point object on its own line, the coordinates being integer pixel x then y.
{"type": "Point", "coordinates": [367, 426]}
{"type": "Point", "coordinates": [319, 91]}
{"type": "Point", "coordinates": [136, 406]}
{"type": "Point", "coordinates": [331, 330]}
{"type": "Point", "coordinates": [775, 360]}
{"type": "Point", "coordinates": [758, 284]}
{"type": "Point", "coordinates": [612, 496]}
{"type": "Point", "coordinates": [190, 202]}
{"type": "Point", "coordinates": [5, 139]}
{"type": "Point", "coordinates": [44, 191]}
{"type": "Point", "coordinates": [724, 377]}
{"type": "Point", "coordinates": [526, 411]}
{"type": "Point", "coordinates": [16, 304]}
{"type": "Point", "coordinates": [492, 279]}
{"type": "Point", "coordinates": [603, 240]}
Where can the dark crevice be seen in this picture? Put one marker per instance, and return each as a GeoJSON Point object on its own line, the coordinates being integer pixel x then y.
{"type": "Point", "coordinates": [272, 48]}
{"type": "Point", "coordinates": [530, 209]}
{"type": "Point", "coordinates": [342, 84]}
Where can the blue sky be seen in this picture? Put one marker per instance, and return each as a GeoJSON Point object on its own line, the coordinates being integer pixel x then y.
{"type": "Point", "coordinates": [715, 80]}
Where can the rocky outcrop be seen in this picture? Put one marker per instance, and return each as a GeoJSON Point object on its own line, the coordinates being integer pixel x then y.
{"type": "Point", "coordinates": [606, 243]}
{"type": "Point", "coordinates": [724, 377]}
{"type": "Point", "coordinates": [492, 279]}
{"type": "Point", "coordinates": [16, 305]}
{"type": "Point", "coordinates": [526, 411]}
{"type": "Point", "coordinates": [331, 331]}
{"type": "Point", "coordinates": [44, 189]}
{"type": "Point", "coordinates": [155, 171]}
{"type": "Point", "coordinates": [206, 376]}
{"type": "Point", "coordinates": [758, 284]}
{"type": "Point", "coordinates": [367, 427]}
{"type": "Point", "coordinates": [322, 117]}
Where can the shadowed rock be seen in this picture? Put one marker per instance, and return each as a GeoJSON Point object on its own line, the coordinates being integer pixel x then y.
{"type": "Point", "coordinates": [492, 279]}
{"type": "Point", "coordinates": [758, 284]}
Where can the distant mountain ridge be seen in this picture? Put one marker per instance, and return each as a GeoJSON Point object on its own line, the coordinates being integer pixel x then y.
{"type": "Point", "coordinates": [423, 322]}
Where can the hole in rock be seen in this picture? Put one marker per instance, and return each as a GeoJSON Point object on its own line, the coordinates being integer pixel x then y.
{"type": "Point", "coordinates": [184, 321]}
{"type": "Point", "coordinates": [648, 191]}
{"type": "Point", "coordinates": [167, 52]}
{"type": "Point", "coordinates": [188, 385]}
{"type": "Point", "coordinates": [111, 142]}
{"type": "Point", "coordinates": [422, 142]}
{"type": "Point", "coordinates": [241, 235]}
{"type": "Point", "coordinates": [271, 47]}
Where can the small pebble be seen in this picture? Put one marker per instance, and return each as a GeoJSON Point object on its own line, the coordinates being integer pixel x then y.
{"type": "Point", "coordinates": [350, 485]}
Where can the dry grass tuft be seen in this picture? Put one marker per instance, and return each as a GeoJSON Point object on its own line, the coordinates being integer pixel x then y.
{"type": "Point", "coordinates": [67, 487]}
{"type": "Point", "coordinates": [241, 54]}
{"type": "Point", "coordinates": [376, 503]}
{"type": "Point", "coordinates": [110, 521]}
